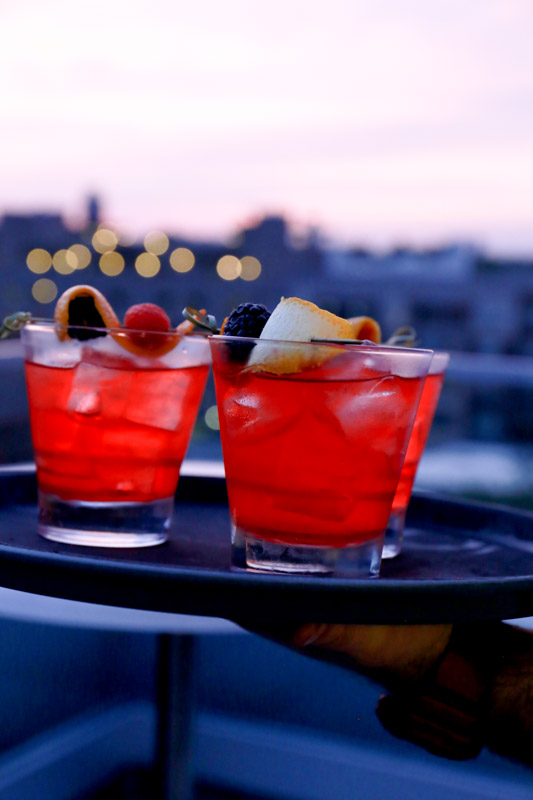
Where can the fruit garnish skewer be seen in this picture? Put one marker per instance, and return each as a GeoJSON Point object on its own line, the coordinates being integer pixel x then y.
{"type": "Point", "coordinates": [202, 321]}
{"type": "Point", "coordinates": [14, 323]}
{"type": "Point", "coordinates": [83, 312]}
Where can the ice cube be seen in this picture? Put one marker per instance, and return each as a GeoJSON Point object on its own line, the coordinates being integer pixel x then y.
{"type": "Point", "coordinates": [98, 390]}
{"type": "Point", "coordinates": [88, 404]}
{"type": "Point", "coordinates": [372, 411]}
{"type": "Point", "coordinates": [384, 387]}
{"type": "Point", "coordinates": [249, 414]}
{"type": "Point", "coordinates": [157, 398]}
{"type": "Point", "coordinates": [119, 439]}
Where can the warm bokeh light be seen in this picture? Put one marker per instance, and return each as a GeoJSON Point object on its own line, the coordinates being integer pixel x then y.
{"type": "Point", "coordinates": [250, 268]}
{"type": "Point", "coordinates": [229, 267]}
{"type": "Point", "coordinates": [104, 240]}
{"type": "Point", "coordinates": [182, 259]}
{"type": "Point", "coordinates": [39, 260]}
{"type": "Point", "coordinates": [147, 265]}
{"type": "Point", "coordinates": [64, 262]}
{"type": "Point", "coordinates": [44, 290]}
{"type": "Point", "coordinates": [82, 255]}
{"type": "Point", "coordinates": [111, 264]}
{"type": "Point", "coordinates": [211, 418]}
{"type": "Point", "coordinates": [156, 242]}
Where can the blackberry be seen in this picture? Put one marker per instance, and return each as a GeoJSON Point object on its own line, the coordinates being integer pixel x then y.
{"type": "Point", "coordinates": [248, 319]}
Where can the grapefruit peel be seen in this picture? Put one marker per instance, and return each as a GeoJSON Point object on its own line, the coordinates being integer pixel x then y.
{"type": "Point", "coordinates": [299, 321]}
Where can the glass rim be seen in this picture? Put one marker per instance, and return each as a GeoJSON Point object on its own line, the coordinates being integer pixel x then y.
{"type": "Point", "coordinates": [51, 326]}
{"type": "Point", "coordinates": [370, 347]}
{"type": "Point", "coordinates": [439, 362]}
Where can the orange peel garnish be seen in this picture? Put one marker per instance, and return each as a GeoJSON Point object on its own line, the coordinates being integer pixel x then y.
{"type": "Point", "coordinates": [366, 329]}
{"type": "Point", "coordinates": [185, 328]}
{"type": "Point", "coordinates": [169, 340]}
{"type": "Point", "coordinates": [100, 312]}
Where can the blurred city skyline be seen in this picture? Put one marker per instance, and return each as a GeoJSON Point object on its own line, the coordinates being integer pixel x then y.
{"type": "Point", "coordinates": [380, 123]}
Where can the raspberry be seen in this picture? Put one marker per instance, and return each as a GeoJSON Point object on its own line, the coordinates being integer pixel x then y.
{"type": "Point", "coordinates": [248, 319]}
{"type": "Point", "coordinates": [146, 321]}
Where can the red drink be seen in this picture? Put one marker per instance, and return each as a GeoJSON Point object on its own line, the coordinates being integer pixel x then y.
{"type": "Point", "coordinates": [110, 430]}
{"type": "Point", "coordinates": [312, 458]}
{"type": "Point", "coordinates": [417, 442]}
{"type": "Point", "coordinates": [112, 434]}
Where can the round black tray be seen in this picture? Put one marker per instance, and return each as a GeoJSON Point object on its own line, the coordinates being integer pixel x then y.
{"type": "Point", "coordinates": [461, 562]}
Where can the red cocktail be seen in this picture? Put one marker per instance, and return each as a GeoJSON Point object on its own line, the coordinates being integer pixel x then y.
{"type": "Point", "coordinates": [313, 458]}
{"type": "Point", "coordinates": [110, 430]}
{"type": "Point", "coordinates": [417, 442]}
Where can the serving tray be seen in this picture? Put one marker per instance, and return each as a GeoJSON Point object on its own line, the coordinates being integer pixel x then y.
{"type": "Point", "coordinates": [461, 562]}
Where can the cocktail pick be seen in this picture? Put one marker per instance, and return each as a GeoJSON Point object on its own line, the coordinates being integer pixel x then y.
{"type": "Point", "coordinates": [403, 337]}
{"type": "Point", "coordinates": [206, 323]}
{"type": "Point", "coordinates": [342, 341]}
{"type": "Point", "coordinates": [14, 322]}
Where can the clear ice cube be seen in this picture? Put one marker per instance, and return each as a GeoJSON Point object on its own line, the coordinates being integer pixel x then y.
{"type": "Point", "coordinates": [156, 398]}
{"type": "Point", "coordinates": [247, 414]}
{"type": "Point", "coordinates": [98, 390]}
{"type": "Point", "coordinates": [89, 404]}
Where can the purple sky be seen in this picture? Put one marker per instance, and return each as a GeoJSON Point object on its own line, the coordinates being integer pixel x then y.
{"type": "Point", "coordinates": [382, 121]}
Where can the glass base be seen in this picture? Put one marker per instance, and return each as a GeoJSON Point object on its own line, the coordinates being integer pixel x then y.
{"type": "Point", "coordinates": [392, 546]}
{"type": "Point", "coordinates": [355, 561]}
{"type": "Point", "coordinates": [104, 524]}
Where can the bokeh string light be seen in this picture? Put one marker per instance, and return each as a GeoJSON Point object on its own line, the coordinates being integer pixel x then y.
{"type": "Point", "coordinates": [250, 268]}
{"type": "Point", "coordinates": [44, 290]}
{"type": "Point", "coordinates": [104, 240]}
{"type": "Point", "coordinates": [111, 263]}
{"type": "Point", "coordinates": [211, 418]}
{"type": "Point", "coordinates": [147, 265]}
{"type": "Point", "coordinates": [156, 242]}
{"type": "Point", "coordinates": [64, 262]}
{"type": "Point", "coordinates": [39, 260]}
{"type": "Point", "coordinates": [182, 259]}
{"type": "Point", "coordinates": [229, 268]}
{"type": "Point", "coordinates": [81, 254]}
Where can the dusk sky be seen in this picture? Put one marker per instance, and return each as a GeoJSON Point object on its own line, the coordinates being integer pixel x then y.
{"type": "Point", "coordinates": [382, 122]}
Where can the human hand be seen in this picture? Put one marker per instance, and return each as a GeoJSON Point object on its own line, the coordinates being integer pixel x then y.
{"type": "Point", "coordinates": [387, 653]}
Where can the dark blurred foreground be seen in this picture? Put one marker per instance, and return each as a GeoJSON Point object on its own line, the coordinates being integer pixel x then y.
{"type": "Point", "coordinates": [79, 722]}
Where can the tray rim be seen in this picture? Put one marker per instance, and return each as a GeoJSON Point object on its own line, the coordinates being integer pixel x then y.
{"type": "Point", "coordinates": [184, 579]}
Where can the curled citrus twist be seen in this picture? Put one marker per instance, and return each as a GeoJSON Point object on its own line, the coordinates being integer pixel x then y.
{"type": "Point", "coordinates": [365, 329]}
{"type": "Point", "coordinates": [82, 306]}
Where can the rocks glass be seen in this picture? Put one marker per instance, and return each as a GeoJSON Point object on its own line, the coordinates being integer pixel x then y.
{"type": "Point", "coordinates": [313, 456]}
{"type": "Point", "coordinates": [110, 430]}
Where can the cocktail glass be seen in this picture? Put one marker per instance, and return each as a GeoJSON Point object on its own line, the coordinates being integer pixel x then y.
{"type": "Point", "coordinates": [313, 457]}
{"type": "Point", "coordinates": [110, 430]}
{"type": "Point", "coordinates": [423, 421]}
